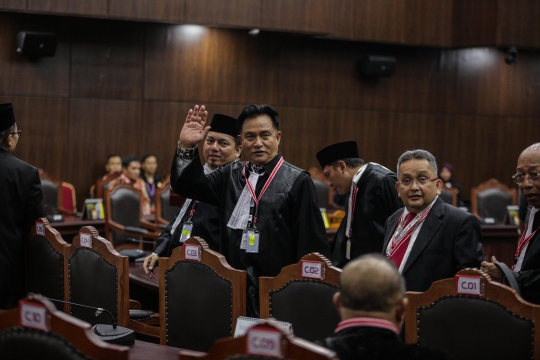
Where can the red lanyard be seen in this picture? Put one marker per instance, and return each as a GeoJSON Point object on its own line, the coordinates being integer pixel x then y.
{"type": "Point", "coordinates": [401, 234]}
{"type": "Point", "coordinates": [353, 204]}
{"type": "Point", "coordinates": [524, 241]}
{"type": "Point", "coordinates": [268, 181]}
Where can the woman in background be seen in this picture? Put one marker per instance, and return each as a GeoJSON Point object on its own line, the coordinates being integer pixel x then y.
{"type": "Point", "coordinates": [446, 174]}
{"type": "Point", "coordinates": [148, 175]}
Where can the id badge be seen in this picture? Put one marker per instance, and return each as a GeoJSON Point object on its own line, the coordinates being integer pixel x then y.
{"type": "Point", "coordinates": [186, 231]}
{"type": "Point", "coordinates": [252, 237]}
{"type": "Point", "coordinates": [348, 251]}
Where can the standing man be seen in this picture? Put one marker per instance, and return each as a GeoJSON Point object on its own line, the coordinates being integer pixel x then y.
{"type": "Point", "coordinates": [429, 240]}
{"type": "Point", "coordinates": [371, 303]}
{"type": "Point", "coordinates": [268, 222]}
{"type": "Point", "coordinates": [373, 198]}
{"type": "Point", "coordinates": [526, 267]}
{"type": "Point", "coordinates": [221, 147]}
{"type": "Point", "coordinates": [20, 196]}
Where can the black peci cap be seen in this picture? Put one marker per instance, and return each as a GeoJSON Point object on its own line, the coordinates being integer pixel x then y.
{"type": "Point", "coordinates": [334, 152]}
{"type": "Point", "coordinates": [7, 116]}
{"type": "Point", "coordinates": [224, 124]}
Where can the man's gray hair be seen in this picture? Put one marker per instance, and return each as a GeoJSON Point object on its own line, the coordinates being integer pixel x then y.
{"type": "Point", "coordinates": [418, 154]}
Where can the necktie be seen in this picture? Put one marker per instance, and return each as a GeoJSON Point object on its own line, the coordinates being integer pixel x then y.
{"type": "Point", "coordinates": [404, 243]}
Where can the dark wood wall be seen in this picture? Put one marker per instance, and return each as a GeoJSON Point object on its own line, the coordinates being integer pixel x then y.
{"type": "Point", "coordinates": [125, 87]}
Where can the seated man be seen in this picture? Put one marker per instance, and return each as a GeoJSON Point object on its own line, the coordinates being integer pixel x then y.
{"type": "Point", "coordinates": [131, 169]}
{"type": "Point", "coordinates": [221, 147]}
{"type": "Point", "coordinates": [526, 267]}
{"type": "Point", "coordinates": [371, 303]}
{"type": "Point", "coordinates": [112, 164]}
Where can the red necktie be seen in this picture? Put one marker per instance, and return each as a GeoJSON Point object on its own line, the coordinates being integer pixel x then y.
{"type": "Point", "coordinates": [404, 243]}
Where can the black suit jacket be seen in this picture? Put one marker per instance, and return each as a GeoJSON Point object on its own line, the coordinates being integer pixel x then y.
{"type": "Point", "coordinates": [528, 277]}
{"type": "Point", "coordinates": [448, 241]}
{"type": "Point", "coordinates": [20, 199]}
{"type": "Point", "coordinates": [376, 200]}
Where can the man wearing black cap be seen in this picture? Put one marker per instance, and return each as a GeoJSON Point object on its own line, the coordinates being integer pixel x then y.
{"type": "Point", "coordinates": [372, 199]}
{"type": "Point", "coordinates": [195, 218]}
{"type": "Point", "coordinates": [20, 196]}
{"type": "Point", "coordinates": [268, 207]}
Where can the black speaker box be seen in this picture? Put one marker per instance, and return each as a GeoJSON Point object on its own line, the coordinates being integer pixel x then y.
{"type": "Point", "coordinates": [377, 66]}
{"type": "Point", "coordinates": [36, 44]}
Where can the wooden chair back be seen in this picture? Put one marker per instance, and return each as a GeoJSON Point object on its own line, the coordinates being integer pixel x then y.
{"type": "Point", "coordinates": [244, 347]}
{"type": "Point", "coordinates": [302, 295]}
{"type": "Point", "coordinates": [449, 195]}
{"type": "Point", "coordinates": [62, 337]}
{"type": "Point", "coordinates": [164, 212]}
{"type": "Point", "coordinates": [471, 317]}
{"type": "Point", "coordinates": [103, 182]}
{"type": "Point", "coordinates": [201, 296]}
{"type": "Point", "coordinates": [45, 265]}
{"type": "Point", "coordinates": [96, 275]}
{"type": "Point", "coordinates": [491, 198]}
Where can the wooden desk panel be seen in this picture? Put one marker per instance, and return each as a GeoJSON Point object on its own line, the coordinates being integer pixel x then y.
{"type": "Point", "coordinates": [143, 350]}
{"type": "Point", "coordinates": [72, 224]}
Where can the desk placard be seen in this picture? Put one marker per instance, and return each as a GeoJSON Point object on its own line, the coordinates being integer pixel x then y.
{"type": "Point", "coordinates": [192, 252]}
{"type": "Point", "coordinates": [469, 285]}
{"type": "Point", "coordinates": [243, 323]}
{"type": "Point", "coordinates": [264, 343]}
{"type": "Point", "coordinates": [86, 239]}
{"type": "Point", "coordinates": [33, 315]}
{"type": "Point", "coordinates": [40, 228]}
{"type": "Point", "coordinates": [312, 269]}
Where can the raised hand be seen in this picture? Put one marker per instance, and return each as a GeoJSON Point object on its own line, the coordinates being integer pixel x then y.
{"type": "Point", "coordinates": [194, 129]}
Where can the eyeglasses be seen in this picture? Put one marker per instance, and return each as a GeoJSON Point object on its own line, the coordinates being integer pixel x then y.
{"type": "Point", "coordinates": [520, 178]}
{"type": "Point", "coordinates": [18, 132]}
{"type": "Point", "coordinates": [421, 181]}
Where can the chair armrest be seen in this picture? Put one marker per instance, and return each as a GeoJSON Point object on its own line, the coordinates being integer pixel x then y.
{"type": "Point", "coordinates": [134, 304]}
{"type": "Point", "coordinates": [136, 230]}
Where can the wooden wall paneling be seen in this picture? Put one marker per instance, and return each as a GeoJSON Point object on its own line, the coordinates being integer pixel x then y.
{"type": "Point", "coordinates": [517, 23]}
{"type": "Point", "coordinates": [162, 124]}
{"type": "Point", "coordinates": [343, 19]}
{"type": "Point", "coordinates": [212, 65]}
{"type": "Point", "coordinates": [486, 85]}
{"type": "Point", "coordinates": [237, 13]}
{"type": "Point", "coordinates": [320, 73]}
{"type": "Point", "coordinates": [429, 22]}
{"type": "Point", "coordinates": [45, 125]}
{"type": "Point", "coordinates": [157, 10]}
{"type": "Point", "coordinates": [381, 20]}
{"type": "Point", "coordinates": [94, 7]}
{"type": "Point", "coordinates": [99, 128]}
{"type": "Point", "coordinates": [108, 59]}
{"type": "Point", "coordinates": [22, 76]}
{"type": "Point", "coordinates": [313, 16]}
{"type": "Point", "coordinates": [13, 4]}
{"type": "Point", "coordinates": [475, 23]}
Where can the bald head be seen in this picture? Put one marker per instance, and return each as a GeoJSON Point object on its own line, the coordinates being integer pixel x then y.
{"type": "Point", "coordinates": [371, 283]}
{"type": "Point", "coordinates": [528, 168]}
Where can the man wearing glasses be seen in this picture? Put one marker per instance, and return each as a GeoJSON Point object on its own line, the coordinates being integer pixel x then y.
{"type": "Point", "coordinates": [526, 267]}
{"type": "Point", "coordinates": [429, 240]}
{"type": "Point", "coordinates": [20, 196]}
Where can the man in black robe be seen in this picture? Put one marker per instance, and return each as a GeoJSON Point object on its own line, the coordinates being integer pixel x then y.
{"type": "Point", "coordinates": [268, 222]}
{"type": "Point", "coordinates": [372, 199]}
{"type": "Point", "coordinates": [221, 147]}
{"type": "Point", "coordinates": [371, 304]}
{"type": "Point", "coordinates": [526, 268]}
{"type": "Point", "coordinates": [20, 196]}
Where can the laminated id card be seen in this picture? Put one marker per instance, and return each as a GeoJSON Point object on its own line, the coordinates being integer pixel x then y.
{"type": "Point", "coordinates": [186, 231]}
{"type": "Point", "coordinates": [252, 237]}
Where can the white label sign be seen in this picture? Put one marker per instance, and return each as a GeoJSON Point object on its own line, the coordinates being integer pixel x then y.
{"type": "Point", "coordinates": [33, 316]}
{"type": "Point", "coordinates": [192, 252]}
{"type": "Point", "coordinates": [312, 269]}
{"type": "Point", "coordinates": [243, 323]}
{"type": "Point", "coordinates": [470, 285]}
{"type": "Point", "coordinates": [86, 240]}
{"type": "Point", "coordinates": [40, 228]}
{"type": "Point", "coordinates": [264, 342]}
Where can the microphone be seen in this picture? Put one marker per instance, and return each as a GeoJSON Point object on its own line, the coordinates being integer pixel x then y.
{"type": "Point", "coordinates": [112, 334]}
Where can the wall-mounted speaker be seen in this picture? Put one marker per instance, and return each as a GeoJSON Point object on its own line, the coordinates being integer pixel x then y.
{"type": "Point", "coordinates": [377, 66]}
{"type": "Point", "coordinates": [36, 44]}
